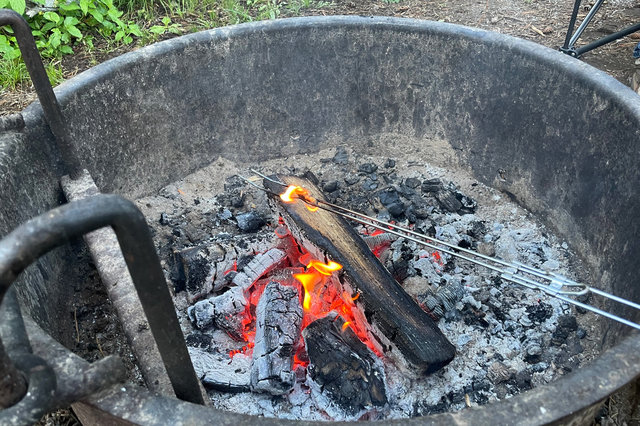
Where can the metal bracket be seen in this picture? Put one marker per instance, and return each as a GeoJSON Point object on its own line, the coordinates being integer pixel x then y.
{"type": "Point", "coordinates": [58, 226]}
{"type": "Point", "coordinates": [569, 46]}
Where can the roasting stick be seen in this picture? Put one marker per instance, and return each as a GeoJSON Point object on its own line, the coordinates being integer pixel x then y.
{"type": "Point", "coordinates": [508, 271]}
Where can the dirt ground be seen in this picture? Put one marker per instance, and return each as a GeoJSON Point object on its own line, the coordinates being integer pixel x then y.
{"type": "Point", "coordinates": [541, 21]}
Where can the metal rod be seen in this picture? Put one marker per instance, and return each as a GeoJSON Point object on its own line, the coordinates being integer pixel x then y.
{"type": "Point", "coordinates": [572, 23]}
{"type": "Point", "coordinates": [608, 39]}
{"type": "Point", "coordinates": [586, 22]}
{"type": "Point", "coordinates": [40, 80]}
{"type": "Point", "coordinates": [58, 226]}
{"type": "Point", "coordinates": [512, 272]}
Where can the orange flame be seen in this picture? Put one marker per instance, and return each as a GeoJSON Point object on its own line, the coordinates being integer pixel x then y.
{"type": "Point", "coordinates": [310, 279]}
{"type": "Point", "coordinates": [292, 192]}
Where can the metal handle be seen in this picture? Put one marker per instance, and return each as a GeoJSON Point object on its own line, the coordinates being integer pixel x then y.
{"type": "Point", "coordinates": [58, 226]}
{"type": "Point", "coordinates": [48, 100]}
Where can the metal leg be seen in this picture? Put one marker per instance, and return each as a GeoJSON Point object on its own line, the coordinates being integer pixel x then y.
{"type": "Point", "coordinates": [40, 80]}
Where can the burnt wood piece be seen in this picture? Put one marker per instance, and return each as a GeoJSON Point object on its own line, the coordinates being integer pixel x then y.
{"type": "Point", "coordinates": [218, 371]}
{"type": "Point", "coordinates": [386, 304]}
{"type": "Point", "coordinates": [348, 372]}
{"type": "Point", "coordinates": [196, 270]}
{"type": "Point", "coordinates": [225, 312]}
{"type": "Point", "coordinates": [278, 323]}
{"type": "Point", "coordinates": [259, 266]}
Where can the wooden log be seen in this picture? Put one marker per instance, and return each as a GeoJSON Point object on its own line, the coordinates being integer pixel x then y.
{"type": "Point", "coordinates": [386, 305]}
{"type": "Point", "coordinates": [278, 323]}
{"type": "Point", "coordinates": [348, 373]}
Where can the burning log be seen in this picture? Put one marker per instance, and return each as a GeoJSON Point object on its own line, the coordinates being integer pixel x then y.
{"type": "Point", "coordinates": [386, 305]}
{"type": "Point", "coordinates": [278, 323]}
{"type": "Point", "coordinates": [348, 372]}
{"type": "Point", "coordinates": [226, 310]}
{"type": "Point", "coordinates": [259, 266]}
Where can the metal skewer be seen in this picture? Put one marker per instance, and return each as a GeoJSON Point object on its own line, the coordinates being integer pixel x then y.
{"type": "Point", "coordinates": [552, 283]}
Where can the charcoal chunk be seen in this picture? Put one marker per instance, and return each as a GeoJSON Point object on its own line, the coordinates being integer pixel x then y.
{"type": "Point", "coordinates": [432, 186]}
{"type": "Point", "coordinates": [448, 201]}
{"type": "Point", "coordinates": [396, 209]}
{"type": "Point", "coordinates": [341, 156]}
{"type": "Point", "coordinates": [388, 197]}
{"type": "Point", "coordinates": [330, 186]}
{"type": "Point", "coordinates": [412, 182]}
{"type": "Point", "coordinates": [278, 322]}
{"type": "Point", "coordinates": [346, 370]}
{"type": "Point", "coordinates": [367, 168]}
{"type": "Point", "coordinates": [250, 222]}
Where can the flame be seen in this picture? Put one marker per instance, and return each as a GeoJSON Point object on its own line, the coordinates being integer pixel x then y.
{"type": "Point", "coordinates": [292, 192]}
{"type": "Point", "coordinates": [321, 293]}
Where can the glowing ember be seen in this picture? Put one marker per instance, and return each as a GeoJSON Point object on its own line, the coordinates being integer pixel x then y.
{"type": "Point", "coordinates": [297, 192]}
{"type": "Point", "coordinates": [321, 293]}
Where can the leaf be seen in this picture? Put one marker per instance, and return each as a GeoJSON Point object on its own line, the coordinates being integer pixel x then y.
{"type": "Point", "coordinates": [97, 16]}
{"type": "Point", "coordinates": [53, 17]}
{"type": "Point", "coordinates": [157, 29]}
{"type": "Point", "coordinates": [114, 14]}
{"type": "Point", "coordinates": [70, 21]}
{"type": "Point", "coordinates": [166, 20]}
{"type": "Point", "coordinates": [84, 6]}
{"type": "Point", "coordinates": [119, 35]}
{"type": "Point", "coordinates": [135, 30]}
{"type": "Point", "coordinates": [66, 50]}
{"type": "Point", "coordinates": [54, 40]}
{"type": "Point", "coordinates": [128, 40]}
{"type": "Point", "coordinates": [74, 31]}
{"type": "Point", "coordinates": [18, 5]}
{"type": "Point", "coordinates": [69, 7]}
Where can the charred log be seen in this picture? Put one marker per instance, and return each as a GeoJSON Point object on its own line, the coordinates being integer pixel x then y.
{"type": "Point", "coordinates": [346, 370]}
{"type": "Point", "coordinates": [224, 311]}
{"type": "Point", "coordinates": [278, 322]}
{"type": "Point", "coordinates": [386, 304]}
{"type": "Point", "coordinates": [218, 371]}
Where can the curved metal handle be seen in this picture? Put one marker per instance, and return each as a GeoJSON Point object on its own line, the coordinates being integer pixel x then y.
{"type": "Point", "coordinates": [48, 100]}
{"type": "Point", "coordinates": [58, 226]}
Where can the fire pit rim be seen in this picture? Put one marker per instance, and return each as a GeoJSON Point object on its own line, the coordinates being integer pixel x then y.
{"type": "Point", "coordinates": [617, 358]}
{"type": "Point", "coordinates": [601, 81]}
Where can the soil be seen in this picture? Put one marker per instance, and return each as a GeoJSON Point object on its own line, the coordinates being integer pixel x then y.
{"type": "Point", "coordinates": [541, 21]}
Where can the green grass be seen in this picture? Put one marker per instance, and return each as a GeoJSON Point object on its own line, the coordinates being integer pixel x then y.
{"type": "Point", "coordinates": [13, 73]}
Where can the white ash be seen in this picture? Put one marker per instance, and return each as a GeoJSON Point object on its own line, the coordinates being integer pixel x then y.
{"type": "Point", "coordinates": [508, 338]}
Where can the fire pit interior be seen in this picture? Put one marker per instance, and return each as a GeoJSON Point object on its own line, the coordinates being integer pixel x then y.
{"type": "Point", "coordinates": [227, 251]}
{"type": "Point", "coordinates": [472, 137]}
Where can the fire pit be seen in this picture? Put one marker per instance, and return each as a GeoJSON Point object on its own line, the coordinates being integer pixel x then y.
{"type": "Point", "coordinates": [555, 135]}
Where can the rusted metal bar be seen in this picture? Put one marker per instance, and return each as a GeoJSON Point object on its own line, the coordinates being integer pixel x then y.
{"type": "Point", "coordinates": [58, 226]}
{"type": "Point", "coordinates": [51, 108]}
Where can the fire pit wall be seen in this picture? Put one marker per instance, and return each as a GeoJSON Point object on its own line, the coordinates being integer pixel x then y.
{"type": "Point", "coordinates": [555, 134]}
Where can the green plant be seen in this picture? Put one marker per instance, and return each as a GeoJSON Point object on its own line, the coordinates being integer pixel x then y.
{"type": "Point", "coordinates": [56, 32]}
{"type": "Point", "coordinates": [13, 73]}
{"type": "Point", "coordinates": [296, 6]}
{"type": "Point", "coordinates": [266, 9]}
{"type": "Point", "coordinates": [166, 27]}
